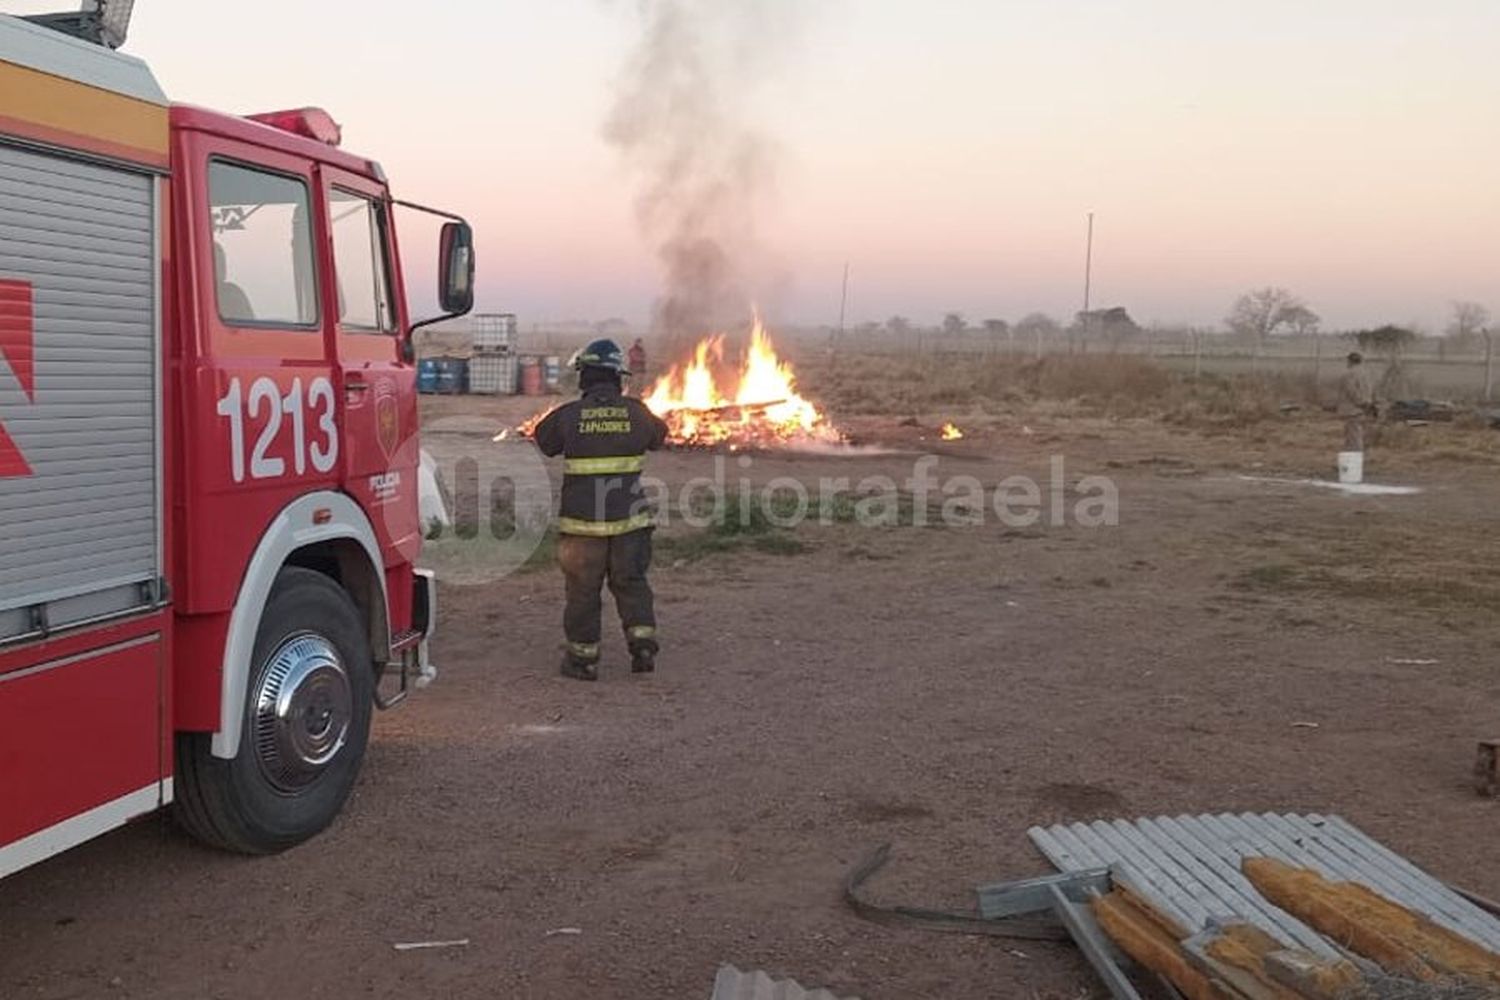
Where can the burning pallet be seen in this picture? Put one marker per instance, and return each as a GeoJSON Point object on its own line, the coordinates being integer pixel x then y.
{"type": "Point", "coordinates": [711, 403]}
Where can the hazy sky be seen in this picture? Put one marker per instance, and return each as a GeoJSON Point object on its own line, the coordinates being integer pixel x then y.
{"type": "Point", "coordinates": [948, 150]}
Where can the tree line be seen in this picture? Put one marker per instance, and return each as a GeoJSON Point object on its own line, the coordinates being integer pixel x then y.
{"type": "Point", "coordinates": [1255, 317]}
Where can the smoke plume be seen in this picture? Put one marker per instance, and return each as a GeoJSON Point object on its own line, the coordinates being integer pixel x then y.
{"type": "Point", "coordinates": [681, 123]}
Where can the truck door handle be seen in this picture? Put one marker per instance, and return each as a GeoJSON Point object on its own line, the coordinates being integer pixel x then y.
{"type": "Point", "coordinates": [355, 385]}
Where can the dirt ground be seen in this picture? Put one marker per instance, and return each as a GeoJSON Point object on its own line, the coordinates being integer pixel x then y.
{"type": "Point", "coordinates": [1232, 644]}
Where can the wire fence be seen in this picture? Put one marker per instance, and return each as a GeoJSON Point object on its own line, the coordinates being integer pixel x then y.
{"type": "Point", "coordinates": [1431, 367]}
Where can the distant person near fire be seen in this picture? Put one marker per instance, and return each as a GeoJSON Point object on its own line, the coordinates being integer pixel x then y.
{"type": "Point", "coordinates": [1356, 402]}
{"type": "Point", "coordinates": [638, 367]}
{"type": "Point", "coordinates": [604, 527]}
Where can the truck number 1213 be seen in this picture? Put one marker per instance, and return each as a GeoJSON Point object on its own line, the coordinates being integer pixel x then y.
{"type": "Point", "coordinates": [265, 406]}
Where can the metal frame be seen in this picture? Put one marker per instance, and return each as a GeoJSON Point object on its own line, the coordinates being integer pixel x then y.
{"type": "Point", "coordinates": [411, 327]}
{"type": "Point", "coordinates": [1067, 898]}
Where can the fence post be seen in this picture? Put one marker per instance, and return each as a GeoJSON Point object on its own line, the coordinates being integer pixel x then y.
{"type": "Point", "coordinates": [1489, 365]}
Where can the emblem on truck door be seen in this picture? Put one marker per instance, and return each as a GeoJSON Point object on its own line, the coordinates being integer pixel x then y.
{"type": "Point", "coordinates": [387, 416]}
{"type": "Point", "coordinates": [17, 349]}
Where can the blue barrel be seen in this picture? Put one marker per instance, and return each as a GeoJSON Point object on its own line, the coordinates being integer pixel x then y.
{"type": "Point", "coordinates": [453, 376]}
{"type": "Point", "coordinates": [427, 375]}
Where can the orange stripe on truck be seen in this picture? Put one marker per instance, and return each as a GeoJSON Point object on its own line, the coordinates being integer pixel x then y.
{"type": "Point", "coordinates": [49, 109]}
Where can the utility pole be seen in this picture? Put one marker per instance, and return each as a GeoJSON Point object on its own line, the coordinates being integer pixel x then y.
{"type": "Point", "coordinates": [1489, 364]}
{"type": "Point", "coordinates": [843, 301]}
{"type": "Point", "coordinates": [1088, 281]}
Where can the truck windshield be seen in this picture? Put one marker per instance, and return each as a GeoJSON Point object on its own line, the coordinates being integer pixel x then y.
{"type": "Point", "coordinates": [263, 259]}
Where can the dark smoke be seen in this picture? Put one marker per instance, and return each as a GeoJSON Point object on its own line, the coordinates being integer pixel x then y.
{"type": "Point", "coordinates": [682, 127]}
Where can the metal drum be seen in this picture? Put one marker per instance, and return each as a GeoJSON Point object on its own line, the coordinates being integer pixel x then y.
{"type": "Point", "coordinates": [531, 377]}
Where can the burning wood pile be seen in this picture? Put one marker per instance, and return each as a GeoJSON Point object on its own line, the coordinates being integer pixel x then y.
{"type": "Point", "coordinates": [711, 402]}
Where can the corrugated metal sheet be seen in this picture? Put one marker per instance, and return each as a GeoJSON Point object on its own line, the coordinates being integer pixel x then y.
{"type": "Point", "coordinates": [732, 984]}
{"type": "Point", "coordinates": [1189, 866]}
{"type": "Point", "coordinates": [80, 238]}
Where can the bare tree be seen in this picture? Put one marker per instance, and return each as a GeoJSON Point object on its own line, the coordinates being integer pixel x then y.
{"type": "Point", "coordinates": [1259, 313]}
{"type": "Point", "coordinates": [1304, 323]}
{"type": "Point", "coordinates": [1039, 327]}
{"type": "Point", "coordinates": [994, 330]}
{"type": "Point", "coordinates": [1468, 325]}
{"type": "Point", "coordinates": [1390, 342]}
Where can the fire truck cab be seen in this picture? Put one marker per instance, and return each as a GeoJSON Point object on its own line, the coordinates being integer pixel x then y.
{"type": "Point", "coordinates": [208, 457]}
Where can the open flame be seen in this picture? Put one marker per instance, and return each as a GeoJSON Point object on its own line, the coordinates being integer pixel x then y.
{"type": "Point", "coordinates": [951, 432]}
{"type": "Point", "coordinates": [708, 402]}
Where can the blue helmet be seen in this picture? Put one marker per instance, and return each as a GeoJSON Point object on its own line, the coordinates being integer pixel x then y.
{"type": "Point", "coordinates": [604, 354]}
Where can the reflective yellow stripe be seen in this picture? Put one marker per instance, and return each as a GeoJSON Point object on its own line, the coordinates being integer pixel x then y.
{"type": "Point", "coordinates": [584, 650]}
{"type": "Point", "coordinates": [602, 529]}
{"type": "Point", "coordinates": [641, 631]}
{"type": "Point", "coordinates": [615, 464]}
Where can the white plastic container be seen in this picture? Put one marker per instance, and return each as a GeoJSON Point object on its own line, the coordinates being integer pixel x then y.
{"type": "Point", "coordinates": [1351, 467]}
{"type": "Point", "coordinates": [430, 505]}
{"type": "Point", "coordinates": [492, 374]}
{"type": "Point", "coordinates": [493, 333]}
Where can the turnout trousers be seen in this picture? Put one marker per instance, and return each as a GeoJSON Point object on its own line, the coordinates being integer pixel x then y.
{"type": "Point", "coordinates": [621, 561]}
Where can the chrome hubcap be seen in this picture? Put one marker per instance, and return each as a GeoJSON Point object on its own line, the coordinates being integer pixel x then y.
{"type": "Point", "coordinates": [302, 711]}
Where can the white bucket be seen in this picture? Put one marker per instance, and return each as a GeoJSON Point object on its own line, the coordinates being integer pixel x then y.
{"type": "Point", "coordinates": [430, 505]}
{"type": "Point", "coordinates": [1351, 466]}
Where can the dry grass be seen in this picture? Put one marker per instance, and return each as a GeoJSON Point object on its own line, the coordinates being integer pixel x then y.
{"type": "Point", "coordinates": [1418, 567]}
{"type": "Point", "coordinates": [1091, 385]}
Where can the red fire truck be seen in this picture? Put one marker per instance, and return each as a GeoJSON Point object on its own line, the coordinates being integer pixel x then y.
{"type": "Point", "coordinates": [208, 455]}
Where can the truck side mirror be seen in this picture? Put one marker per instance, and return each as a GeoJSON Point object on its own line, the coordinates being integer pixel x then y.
{"type": "Point", "coordinates": [456, 268]}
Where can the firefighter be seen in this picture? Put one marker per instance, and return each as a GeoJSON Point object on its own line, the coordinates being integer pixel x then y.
{"type": "Point", "coordinates": [1356, 402]}
{"type": "Point", "coordinates": [604, 526]}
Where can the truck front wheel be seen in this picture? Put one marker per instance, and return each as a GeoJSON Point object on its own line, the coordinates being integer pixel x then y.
{"type": "Point", "coordinates": [307, 720]}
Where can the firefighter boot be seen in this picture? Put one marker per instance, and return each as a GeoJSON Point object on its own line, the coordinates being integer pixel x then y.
{"type": "Point", "coordinates": [642, 654]}
{"type": "Point", "coordinates": [579, 668]}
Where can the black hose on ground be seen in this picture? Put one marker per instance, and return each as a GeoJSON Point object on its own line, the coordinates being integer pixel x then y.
{"type": "Point", "coordinates": [938, 921]}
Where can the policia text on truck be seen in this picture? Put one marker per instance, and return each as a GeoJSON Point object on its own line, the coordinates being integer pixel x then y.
{"type": "Point", "coordinates": [604, 527]}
